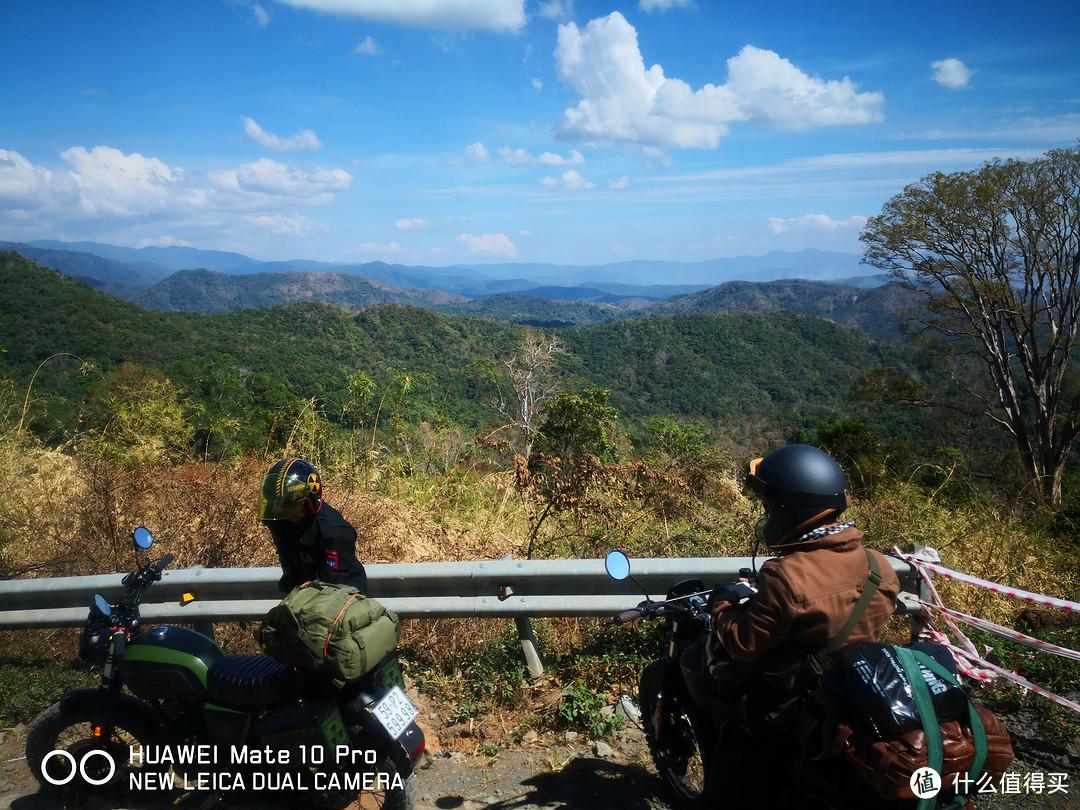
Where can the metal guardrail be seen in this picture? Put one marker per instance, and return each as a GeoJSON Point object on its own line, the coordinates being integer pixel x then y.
{"type": "Point", "coordinates": [505, 588]}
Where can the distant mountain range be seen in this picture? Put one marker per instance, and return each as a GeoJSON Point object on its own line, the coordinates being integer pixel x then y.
{"type": "Point", "coordinates": [831, 284]}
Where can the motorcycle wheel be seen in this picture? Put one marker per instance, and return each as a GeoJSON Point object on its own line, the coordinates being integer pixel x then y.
{"type": "Point", "coordinates": [71, 730]}
{"type": "Point", "coordinates": [672, 741]}
{"type": "Point", "coordinates": [401, 798]}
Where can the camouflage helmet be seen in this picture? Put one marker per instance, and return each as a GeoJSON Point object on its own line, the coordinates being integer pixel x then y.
{"type": "Point", "coordinates": [291, 490]}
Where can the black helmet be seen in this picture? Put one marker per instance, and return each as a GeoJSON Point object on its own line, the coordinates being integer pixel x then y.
{"type": "Point", "coordinates": [803, 488]}
{"type": "Point", "coordinates": [291, 490]}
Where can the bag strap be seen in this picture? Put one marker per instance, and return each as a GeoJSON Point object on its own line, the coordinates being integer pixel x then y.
{"type": "Point", "coordinates": [921, 695]}
{"type": "Point", "coordinates": [978, 730]}
{"type": "Point", "coordinates": [873, 579]}
{"type": "Point", "coordinates": [910, 660]}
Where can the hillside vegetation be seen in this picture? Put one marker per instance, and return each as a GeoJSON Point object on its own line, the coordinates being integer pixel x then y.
{"type": "Point", "coordinates": [246, 365]}
{"type": "Point", "coordinates": [113, 416]}
{"type": "Point", "coordinates": [209, 291]}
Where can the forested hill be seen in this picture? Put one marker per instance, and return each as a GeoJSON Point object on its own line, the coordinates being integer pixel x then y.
{"type": "Point", "coordinates": [559, 300]}
{"type": "Point", "coordinates": [729, 367]}
{"type": "Point", "coordinates": [209, 291]}
{"type": "Point", "coordinates": [870, 309]}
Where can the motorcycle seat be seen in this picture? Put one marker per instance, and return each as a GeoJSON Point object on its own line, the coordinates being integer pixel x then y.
{"type": "Point", "coordinates": [251, 680]}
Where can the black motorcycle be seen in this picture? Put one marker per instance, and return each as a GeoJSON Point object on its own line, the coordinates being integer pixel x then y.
{"type": "Point", "coordinates": [682, 718]}
{"type": "Point", "coordinates": [675, 709]}
{"type": "Point", "coordinates": [202, 722]}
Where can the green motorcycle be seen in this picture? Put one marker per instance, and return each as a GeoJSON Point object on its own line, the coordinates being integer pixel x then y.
{"type": "Point", "coordinates": [195, 720]}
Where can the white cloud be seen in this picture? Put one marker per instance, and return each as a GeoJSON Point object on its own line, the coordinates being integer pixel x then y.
{"type": "Point", "coordinates": [474, 154]}
{"type": "Point", "coordinates": [313, 184]}
{"type": "Point", "coordinates": [951, 73]}
{"type": "Point", "coordinates": [410, 224]}
{"type": "Point", "coordinates": [287, 225]}
{"type": "Point", "coordinates": [301, 142]}
{"type": "Point", "coordinates": [164, 240]}
{"type": "Point", "coordinates": [815, 222]}
{"type": "Point", "coordinates": [773, 92]}
{"type": "Point", "coordinates": [621, 100]}
{"type": "Point", "coordinates": [24, 186]}
{"type": "Point", "coordinates": [488, 15]}
{"type": "Point", "coordinates": [262, 19]}
{"type": "Point", "coordinates": [374, 248]}
{"type": "Point", "coordinates": [663, 5]}
{"type": "Point", "coordinates": [522, 157]}
{"type": "Point", "coordinates": [569, 181]}
{"type": "Point", "coordinates": [368, 47]}
{"type": "Point", "coordinates": [111, 183]}
{"type": "Point", "coordinates": [557, 9]}
{"type": "Point", "coordinates": [492, 244]}
{"type": "Point", "coordinates": [622, 183]}
{"type": "Point", "coordinates": [102, 191]}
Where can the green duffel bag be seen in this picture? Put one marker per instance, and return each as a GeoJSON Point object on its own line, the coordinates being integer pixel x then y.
{"type": "Point", "coordinates": [333, 629]}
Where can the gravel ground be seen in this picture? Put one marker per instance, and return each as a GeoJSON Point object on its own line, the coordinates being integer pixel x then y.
{"type": "Point", "coordinates": [608, 775]}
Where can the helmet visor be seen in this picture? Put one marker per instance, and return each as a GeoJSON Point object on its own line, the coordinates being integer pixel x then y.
{"type": "Point", "coordinates": [753, 483]}
{"type": "Point", "coordinates": [275, 504]}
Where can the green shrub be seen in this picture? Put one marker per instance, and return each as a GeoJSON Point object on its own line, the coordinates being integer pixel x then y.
{"type": "Point", "coordinates": [32, 678]}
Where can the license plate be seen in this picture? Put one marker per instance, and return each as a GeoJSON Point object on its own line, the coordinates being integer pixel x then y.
{"type": "Point", "coordinates": [395, 712]}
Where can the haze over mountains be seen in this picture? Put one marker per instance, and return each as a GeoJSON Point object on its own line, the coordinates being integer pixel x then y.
{"type": "Point", "coordinates": [829, 284]}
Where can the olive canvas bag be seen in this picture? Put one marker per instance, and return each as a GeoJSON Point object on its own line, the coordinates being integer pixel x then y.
{"type": "Point", "coordinates": [330, 628]}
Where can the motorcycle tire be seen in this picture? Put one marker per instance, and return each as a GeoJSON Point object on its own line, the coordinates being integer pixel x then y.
{"type": "Point", "coordinates": [403, 798]}
{"type": "Point", "coordinates": [672, 742]}
{"type": "Point", "coordinates": [69, 727]}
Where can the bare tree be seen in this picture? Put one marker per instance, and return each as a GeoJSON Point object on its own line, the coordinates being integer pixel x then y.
{"type": "Point", "coordinates": [994, 254]}
{"type": "Point", "coordinates": [532, 382]}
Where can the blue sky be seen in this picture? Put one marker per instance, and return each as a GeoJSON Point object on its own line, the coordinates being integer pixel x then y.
{"type": "Point", "coordinates": [437, 132]}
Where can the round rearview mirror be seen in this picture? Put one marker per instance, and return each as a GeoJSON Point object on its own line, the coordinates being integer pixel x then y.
{"type": "Point", "coordinates": [617, 565]}
{"type": "Point", "coordinates": [142, 537]}
{"type": "Point", "coordinates": [102, 604]}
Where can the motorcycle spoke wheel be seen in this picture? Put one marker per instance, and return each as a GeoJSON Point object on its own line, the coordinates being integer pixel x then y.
{"type": "Point", "coordinates": [73, 732]}
{"type": "Point", "coordinates": [672, 742]}
{"type": "Point", "coordinates": [402, 798]}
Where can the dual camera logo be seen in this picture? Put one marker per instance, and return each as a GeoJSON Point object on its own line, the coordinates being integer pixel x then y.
{"type": "Point", "coordinates": [93, 762]}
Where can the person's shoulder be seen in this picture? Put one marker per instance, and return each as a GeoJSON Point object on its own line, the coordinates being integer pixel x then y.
{"type": "Point", "coordinates": [330, 519]}
{"type": "Point", "coordinates": [327, 512]}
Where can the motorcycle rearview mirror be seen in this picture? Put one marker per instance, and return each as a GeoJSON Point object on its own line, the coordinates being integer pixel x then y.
{"type": "Point", "coordinates": [102, 605]}
{"type": "Point", "coordinates": [142, 538]}
{"type": "Point", "coordinates": [617, 565]}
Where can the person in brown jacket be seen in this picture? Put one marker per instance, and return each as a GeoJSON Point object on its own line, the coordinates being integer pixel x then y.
{"type": "Point", "coordinates": [805, 597]}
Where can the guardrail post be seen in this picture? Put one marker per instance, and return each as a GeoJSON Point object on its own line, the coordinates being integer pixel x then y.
{"type": "Point", "coordinates": [528, 646]}
{"type": "Point", "coordinates": [921, 590]}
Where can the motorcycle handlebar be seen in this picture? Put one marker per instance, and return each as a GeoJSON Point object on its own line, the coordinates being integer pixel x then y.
{"type": "Point", "coordinates": [168, 558]}
{"type": "Point", "coordinates": [630, 615]}
{"type": "Point", "coordinates": [695, 604]}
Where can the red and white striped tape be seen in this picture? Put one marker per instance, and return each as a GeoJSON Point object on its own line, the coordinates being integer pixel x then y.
{"type": "Point", "coordinates": [1027, 596]}
{"type": "Point", "coordinates": [961, 657]}
{"type": "Point", "coordinates": [1004, 632]}
{"type": "Point", "coordinates": [968, 660]}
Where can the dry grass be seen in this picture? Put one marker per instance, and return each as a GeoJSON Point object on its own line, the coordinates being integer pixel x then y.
{"type": "Point", "coordinates": [978, 540]}
{"type": "Point", "coordinates": [62, 514]}
{"type": "Point", "coordinates": [67, 514]}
